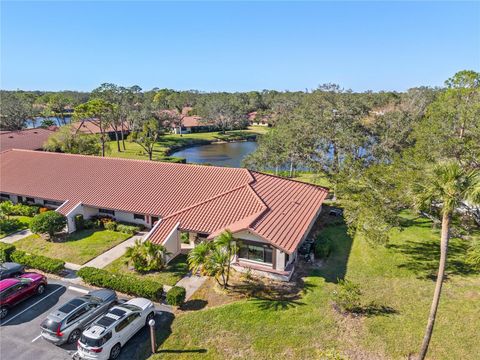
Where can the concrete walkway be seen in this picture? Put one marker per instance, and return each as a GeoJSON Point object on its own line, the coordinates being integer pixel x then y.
{"type": "Point", "coordinates": [191, 283]}
{"type": "Point", "coordinates": [114, 253]}
{"type": "Point", "coordinates": [10, 239]}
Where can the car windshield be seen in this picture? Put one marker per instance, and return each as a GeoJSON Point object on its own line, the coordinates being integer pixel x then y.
{"type": "Point", "coordinates": [130, 307]}
{"type": "Point", "coordinates": [50, 324]}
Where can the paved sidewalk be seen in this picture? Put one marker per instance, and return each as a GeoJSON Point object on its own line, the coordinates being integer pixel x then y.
{"type": "Point", "coordinates": [10, 239]}
{"type": "Point", "coordinates": [114, 253]}
{"type": "Point", "coordinates": [191, 283]}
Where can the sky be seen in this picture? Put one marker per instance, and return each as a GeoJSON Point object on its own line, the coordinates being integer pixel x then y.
{"type": "Point", "coordinates": [236, 46]}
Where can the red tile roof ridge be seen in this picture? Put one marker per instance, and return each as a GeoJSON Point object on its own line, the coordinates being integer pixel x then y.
{"type": "Point", "coordinates": [216, 197]}
{"type": "Point", "coordinates": [232, 169]}
{"type": "Point", "coordinates": [292, 180]}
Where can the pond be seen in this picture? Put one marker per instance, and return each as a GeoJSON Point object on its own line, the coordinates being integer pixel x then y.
{"type": "Point", "coordinates": [221, 154]}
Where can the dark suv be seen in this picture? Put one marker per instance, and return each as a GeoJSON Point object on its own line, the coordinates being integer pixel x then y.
{"type": "Point", "coordinates": [67, 323]}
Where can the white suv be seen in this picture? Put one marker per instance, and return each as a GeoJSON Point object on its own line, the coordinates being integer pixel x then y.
{"type": "Point", "coordinates": [105, 337]}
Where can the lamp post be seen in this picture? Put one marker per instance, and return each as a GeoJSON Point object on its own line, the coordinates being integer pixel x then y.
{"type": "Point", "coordinates": [152, 335]}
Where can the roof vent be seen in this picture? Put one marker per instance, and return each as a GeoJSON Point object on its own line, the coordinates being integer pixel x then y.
{"type": "Point", "coordinates": [10, 137]}
{"type": "Point", "coordinates": [35, 132]}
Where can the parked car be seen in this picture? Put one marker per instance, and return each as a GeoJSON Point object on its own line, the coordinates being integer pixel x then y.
{"type": "Point", "coordinates": [105, 338]}
{"type": "Point", "coordinates": [10, 269]}
{"type": "Point", "coordinates": [15, 290]}
{"type": "Point", "coordinates": [67, 322]}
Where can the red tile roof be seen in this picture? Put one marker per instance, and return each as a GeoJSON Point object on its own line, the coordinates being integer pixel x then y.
{"type": "Point", "coordinates": [29, 139]}
{"type": "Point", "coordinates": [91, 126]}
{"type": "Point", "coordinates": [204, 199]}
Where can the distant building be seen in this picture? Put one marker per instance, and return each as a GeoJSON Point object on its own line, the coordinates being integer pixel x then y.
{"type": "Point", "coordinates": [28, 139]}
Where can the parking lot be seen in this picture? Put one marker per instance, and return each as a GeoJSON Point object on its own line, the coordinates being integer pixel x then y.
{"type": "Point", "coordinates": [20, 331]}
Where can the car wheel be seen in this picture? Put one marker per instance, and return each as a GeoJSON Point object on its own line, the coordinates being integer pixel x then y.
{"type": "Point", "coordinates": [149, 317]}
{"type": "Point", "coordinates": [40, 289]}
{"type": "Point", "coordinates": [3, 312]}
{"type": "Point", "coordinates": [115, 352]}
{"type": "Point", "coordinates": [74, 336]}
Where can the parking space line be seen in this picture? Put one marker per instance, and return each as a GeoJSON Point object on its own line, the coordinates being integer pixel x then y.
{"type": "Point", "coordinates": [80, 290]}
{"type": "Point", "coordinates": [38, 337]}
{"type": "Point", "coordinates": [20, 313]}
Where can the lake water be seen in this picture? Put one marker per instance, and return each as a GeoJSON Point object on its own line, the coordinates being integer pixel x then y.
{"type": "Point", "coordinates": [223, 154]}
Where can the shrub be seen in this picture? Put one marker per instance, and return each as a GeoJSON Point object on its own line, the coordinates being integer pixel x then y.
{"type": "Point", "coordinates": [38, 261]}
{"type": "Point", "coordinates": [146, 256]}
{"type": "Point", "coordinates": [79, 222]}
{"type": "Point", "coordinates": [110, 225]}
{"type": "Point", "coordinates": [88, 224]}
{"type": "Point", "coordinates": [347, 296]}
{"type": "Point", "coordinates": [323, 247]}
{"type": "Point", "coordinates": [128, 229]}
{"type": "Point", "coordinates": [43, 209]}
{"type": "Point", "coordinates": [123, 283]}
{"type": "Point", "coordinates": [9, 225]}
{"type": "Point", "coordinates": [6, 251]}
{"type": "Point", "coordinates": [6, 208]}
{"type": "Point", "coordinates": [100, 221]}
{"type": "Point", "coordinates": [24, 210]}
{"type": "Point", "coordinates": [176, 296]}
{"type": "Point", "coordinates": [49, 222]}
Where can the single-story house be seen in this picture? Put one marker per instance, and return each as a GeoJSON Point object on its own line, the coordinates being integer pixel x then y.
{"type": "Point", "coordinates": [255, 119]}
{"type": "Point", "coordinates": [92, 126]}
{"type": "Point", "coordinates": [269, 216]}
{"type": "Point", "coordinates": [28, 139]}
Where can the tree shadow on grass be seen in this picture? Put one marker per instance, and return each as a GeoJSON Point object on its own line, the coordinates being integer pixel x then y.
{"type": "Point", "coordinates": [335, 266]}
{"type": "Point", "coordinates": [422, 257]}
{"type": "Point", "coordinates": [193, 305]}
{"type": "Point", "coordinates": [374, 309]}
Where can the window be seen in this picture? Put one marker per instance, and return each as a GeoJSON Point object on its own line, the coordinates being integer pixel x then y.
{"type": "Point", "coordinates": [30, 200]}
{"type": "Point", "coordinates": [52, 203]}
{"type": "Point", "coordinates": [139, 217]}
{"type": "Point", "coordinates": [255, 252]}
{"type": "Point", "coordinates": [4, 196]}
{"type": "Point", "coordinates": [122, 325]}
{"type": "Point", "coordinates": [106, 211]}
{"type": "Point", "coordinates": [77, 314]}
{"type": "Point", "coordinates": [287, 258]}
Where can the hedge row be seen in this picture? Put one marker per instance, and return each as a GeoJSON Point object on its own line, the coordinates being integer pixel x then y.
{"type": "Point", "coordinates": [6, 251]}
{"type": "Point", "coordinates": [38, 261]}
{"type": "Point", "coordinates": [122, 283]}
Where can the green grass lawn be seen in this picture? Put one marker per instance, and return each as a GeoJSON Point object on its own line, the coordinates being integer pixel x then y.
{"type": "Point", "coordinates": [174, 271]}
{"type": "Point", "coordinates": [23, 223]}
{"type": "Point", "coordinates": [172, 142]}
{"type": "Point", "coordinates": [78, 248]}
{"type": "Point", "coordinates": [396, 278]}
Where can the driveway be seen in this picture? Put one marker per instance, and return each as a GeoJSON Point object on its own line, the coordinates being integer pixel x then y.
{"type": "Point", "coordinates": [20, 330]}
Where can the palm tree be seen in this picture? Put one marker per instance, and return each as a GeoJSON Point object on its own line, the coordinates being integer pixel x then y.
{"type": "Point", "coordinates": [146, 256]}
{"type": "Point", "coordinates": [227, 241]}
{"type": "Point", "coordinates": [448, 185]}
{"type": "Point", "coordinates": [214, 258]}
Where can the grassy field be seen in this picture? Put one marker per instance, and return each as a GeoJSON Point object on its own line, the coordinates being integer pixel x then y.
{"type": "Point", "coordinates": [175, 270]}
{"type": "Point", "coordinates": [397, 289]}
{"type": "Point", "coordinates": [171, 142]}
{"type": "Point", "coordinates": [78, 248]}
{"type": "Point", "coordinates": [23, 223]}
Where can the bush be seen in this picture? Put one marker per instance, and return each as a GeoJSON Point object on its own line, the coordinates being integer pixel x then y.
{"type": "Point", "coordinates": [176, 296]}
{"type": "Point", "coordinates": [39, 262]}
{"type": "Point", "coordinates": [123, 283]}
{"type": "Point", "coordinates": [9, 225]}
{"type": "Point", "coordinates": [79, 222]}
{"type": "Point", "coordinates": [323, 247]}
{"type": "Point", "coordinates": [88, 224]}
{"type": "Point", "coordinates": [100, 221]}
{"type": "Point", "coordinates": [110, 225]}
{"type": "Point", "coordinates": [6, 251]}
{"type": "Point", "coordinates": [128, 229]}
{"type": "Point", "coordinates": [43, 209]}
{"type": "Point", "coordinates": [49, 222]}
{"type": "Point", "coordinates": [347, 296]}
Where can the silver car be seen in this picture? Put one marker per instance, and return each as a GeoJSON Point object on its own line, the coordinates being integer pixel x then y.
{"type": "Point", "coordinates": [67, 322]}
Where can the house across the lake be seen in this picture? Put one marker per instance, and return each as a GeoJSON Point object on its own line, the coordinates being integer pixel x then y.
{"type": "Point", "coordinates": [269, 216]}
{"type": "Point", "coordinates": [28, 139]}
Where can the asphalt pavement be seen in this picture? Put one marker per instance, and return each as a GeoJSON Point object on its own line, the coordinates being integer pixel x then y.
{"type": "Point", "coordinates": [20, 331]}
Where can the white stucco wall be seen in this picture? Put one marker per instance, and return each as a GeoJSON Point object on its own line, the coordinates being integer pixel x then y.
{"type": "Point", "coordinates": [172, 243]}
{"type": "Point", "coordinates": [247, 235]}
{"type": "Point", "coordinates": [279, 259]}
{"type": "Point", "coordinates": [71, 217]}
{"type": "Point", "coordinates": [119, 216]}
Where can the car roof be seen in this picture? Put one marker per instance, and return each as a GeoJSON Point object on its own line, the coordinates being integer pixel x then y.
{"type": "Point", "coordinates": [6, 283]}
{"type": "Point", "coordinates": [103, 324]}
{"type": "Point", "coordinates": [67, 308]}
